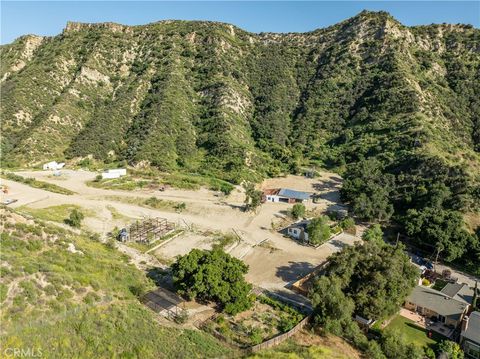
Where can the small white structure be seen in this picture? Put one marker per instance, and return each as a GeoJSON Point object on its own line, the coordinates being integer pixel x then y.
{"type": "Point", "coordinates": [107, 175]}
{"type": "Point", "coordinates": [53, 166]}
{"type": "Point", "coordinates": [114, 173]}
{"type": "Point", "coordinates": [120, 171]}
{"type": "Point", "coordinates": [298, 231]}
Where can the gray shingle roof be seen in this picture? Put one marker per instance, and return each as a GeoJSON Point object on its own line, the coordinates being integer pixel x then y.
{"type": "Point", "coordinates": [290, 193]}
{"type": "Point", "coordinates": [451, 289]}
{"type": "Point", "coordinates": [473, 330]}
{"type": "Point", "coordinates": [437, 301]}
{"type": "Point", "coordinates": [459, 291]}
{"type": "Point", "coordinates": [302, 224]}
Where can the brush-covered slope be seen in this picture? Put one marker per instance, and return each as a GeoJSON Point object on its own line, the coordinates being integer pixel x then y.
{"type": "Point", "coordinates": [65, 295]}
{"type": "Point", "coordinates": [210, 97]}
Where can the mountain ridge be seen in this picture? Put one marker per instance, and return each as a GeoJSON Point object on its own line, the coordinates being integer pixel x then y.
{"type": "Point", "coordinates": [185, 49]}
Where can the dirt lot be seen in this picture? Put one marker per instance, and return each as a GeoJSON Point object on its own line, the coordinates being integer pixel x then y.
{"type": "Point", "coordinates": [275, 261]}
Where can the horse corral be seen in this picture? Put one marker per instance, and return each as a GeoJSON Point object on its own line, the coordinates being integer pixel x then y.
{"type": "Point", "coordinates": [146, 231]}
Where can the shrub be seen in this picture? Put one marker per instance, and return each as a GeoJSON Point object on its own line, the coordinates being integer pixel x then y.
{"type": "Point", "coordinates": [137, 290]}
{"type": "Point", "coordinates": [75, 219]}
{"type": "Point", "coordinates": [425, 282]}
{"type": "Point", "coordinates": [256, 336]}
{"type": "Point", "coordinates": [298, 210]}
{"type": "Point", "coordinates": [179, 207]}
{"type": "Point", "coordinates": [182, 317]}
{"type": "Point", "coordinates": [348, 225]}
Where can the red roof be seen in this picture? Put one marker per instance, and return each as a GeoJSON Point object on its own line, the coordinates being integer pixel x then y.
{"type": "Point", "coordinates": [271, 191]}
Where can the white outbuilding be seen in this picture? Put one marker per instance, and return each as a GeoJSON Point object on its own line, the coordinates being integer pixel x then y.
{"type": "Point", "coordinates": [53, 166]}
{"type": "Point", "coordinates": [114, 173]}
{"type": "Point", "coordinates": [120, 171]}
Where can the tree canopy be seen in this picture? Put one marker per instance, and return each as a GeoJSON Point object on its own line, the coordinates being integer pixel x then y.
{"type": "Point", "coordinates": [444, 231]}
{"type": "Point", "coordinates": [298, 210]}
{"type": "Point", "coordinates": [452, 349]}
{"type": "Point", "coordinates": [373, 234]}
{"type": "Point", "coordinates": [253, 197]}
{"type": "Point", "coordinates": [318, 230]}
{"type": "Point", "coordinates": [375, 277]}
{"type": "Point", "coordinates": [214, 276]}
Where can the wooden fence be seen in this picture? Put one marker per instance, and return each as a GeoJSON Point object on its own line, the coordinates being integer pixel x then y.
{"type": "Point", "coordinates": [280, 338]}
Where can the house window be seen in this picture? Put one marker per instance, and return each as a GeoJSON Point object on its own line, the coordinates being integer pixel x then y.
{"type": "Point", "coordinates": [472, 350]}
{"type": "Point", "coordinates": [441, 319]}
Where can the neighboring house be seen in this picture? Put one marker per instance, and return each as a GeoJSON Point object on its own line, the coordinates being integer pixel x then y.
{"type": "Point", "coordinates": [114, 173]}
{"type": "Point", "coordinates": [470, 335]}
{"type": "Point", "coordinates": [436, 305]}
{"type": "Point", "coordinates": [299, 231]}
{"type": "Point", "coordinates": [285, 195]}
{"type": "Point", "coordinates": [53, 166]}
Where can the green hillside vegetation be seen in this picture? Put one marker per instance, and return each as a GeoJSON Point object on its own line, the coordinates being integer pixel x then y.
{"type": "Point", "coordinates": [36, 183]}
{"type": "Point", "coordinates": [64, 303]}
{"type": "Point", "coordinates": [394, 109]}
{"type": "Point", "coordinates": [155, 179]}
{"type": "Point", "coordinates": [54, 213]}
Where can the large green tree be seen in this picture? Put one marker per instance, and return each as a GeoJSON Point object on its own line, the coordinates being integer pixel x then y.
{"type": "Point", "coordinates": [376, 277]}
{"type": "Point", "coordinates": [214, 276]}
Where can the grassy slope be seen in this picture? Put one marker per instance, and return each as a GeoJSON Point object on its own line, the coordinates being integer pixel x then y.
{"type": "Point", "coordinates": [306, 345]}
{"type": "Point", "coordinates": [66, 304]}
{"type": "Point", "coordinates": [54, 213]}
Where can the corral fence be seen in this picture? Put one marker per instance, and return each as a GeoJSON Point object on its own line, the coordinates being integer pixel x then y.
{"type": "Point", "coordinates": [281, 337]}
{"type": "Point", "coordinates": [163, 301]}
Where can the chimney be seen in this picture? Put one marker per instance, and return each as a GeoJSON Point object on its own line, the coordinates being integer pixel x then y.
{"type": "Point", "coordinates": [464, 323]}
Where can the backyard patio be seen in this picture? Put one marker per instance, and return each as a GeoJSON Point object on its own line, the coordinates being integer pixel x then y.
{"type": "Point", "coordinates": [426, 323]}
